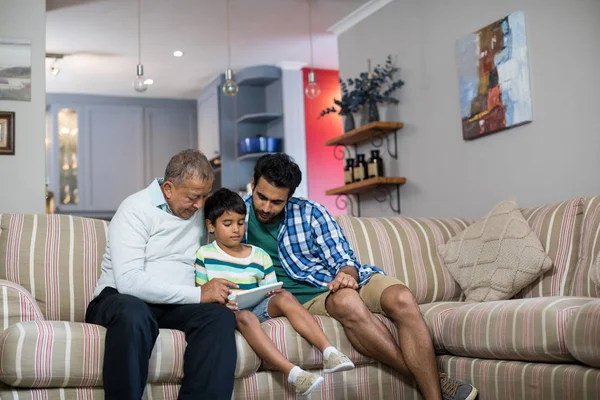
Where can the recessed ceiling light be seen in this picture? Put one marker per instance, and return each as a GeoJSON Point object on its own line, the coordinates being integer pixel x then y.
{"type": "Point", "coordinates": [178, 53]}
{"type": "Point", "coordinates": [149, 81]}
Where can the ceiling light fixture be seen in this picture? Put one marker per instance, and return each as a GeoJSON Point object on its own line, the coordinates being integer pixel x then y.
{"type": "Point", "coordinates": [312, 90]}
{"type": "Point", "coordinates": [230, 88]}
{"type": "Point", "coordinates": [149, 81]}
{"type": "Point", "coordinates": [55, 68]}
{"type": "Point", "coordinates": [139, 84]}
{"type": "Point", "coordinates": [178, 53]}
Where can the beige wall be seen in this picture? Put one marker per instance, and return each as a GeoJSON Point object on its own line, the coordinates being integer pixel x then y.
{"type": "Point", "coordinates": [554, 158]}
{"type": "Point", "coordinates": [22, 176]}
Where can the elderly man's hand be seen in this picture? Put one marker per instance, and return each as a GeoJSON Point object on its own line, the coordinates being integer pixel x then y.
{"type": "Point", "coordinates": [342, 280]}
{"type": "Point", "coordinates": [216, 291]}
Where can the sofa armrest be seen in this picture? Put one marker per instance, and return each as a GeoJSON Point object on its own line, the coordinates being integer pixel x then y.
{"type": "Point", "coordinates": [17, 305]}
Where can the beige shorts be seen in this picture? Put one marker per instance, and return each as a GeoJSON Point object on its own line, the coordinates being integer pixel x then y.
{"type": "Point", "coordinates": [369, 293]}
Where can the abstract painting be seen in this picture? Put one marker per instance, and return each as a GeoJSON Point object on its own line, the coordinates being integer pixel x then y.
{"type": "Point", "coordinates": [15, 69]}
{"type": "Point", "coordinates": [493, 74]}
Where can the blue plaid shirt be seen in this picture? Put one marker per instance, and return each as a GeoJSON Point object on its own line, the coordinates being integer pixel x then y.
{"type": "Point", "coordinates": [312, 246]}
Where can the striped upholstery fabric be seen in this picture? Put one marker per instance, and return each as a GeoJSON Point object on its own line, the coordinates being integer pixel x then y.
{"type": "Point", "coordinates": [558, 227]}
{"type": "Point", "coordinates": [298, 351]}
{"type": "Point", "coordinates": [406, 248]}
{"type": "Point", "coordinates": [516, 380]}
{"type": "Point", "coordinates": [525, 329]}
{"type": "Point", "coordinates": [54, 257]}
{"type": "Point", "coordinates": [434, 315]}
{"type": "Point", "coordinates": [589, 251]}
{"type": "Point", "coordinates": [371, 381]}
{"type": "Point", "coordinates": [153, 392]}
{"type": "Point", "coordinates": [39, 354]}
{"type": "Point", "coordinates": [18, 304]}
{"type": "Point", "coordinates": [583, 334]}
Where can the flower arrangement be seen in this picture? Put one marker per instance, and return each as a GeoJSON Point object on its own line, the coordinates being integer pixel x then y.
{"type": "Point", "coordinates": [368, 89]}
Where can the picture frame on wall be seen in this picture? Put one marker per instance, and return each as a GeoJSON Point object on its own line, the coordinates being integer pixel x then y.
{"type": "Point", "coordinates": [7, 133]}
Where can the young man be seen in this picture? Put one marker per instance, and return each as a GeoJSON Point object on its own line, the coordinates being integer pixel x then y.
{"type": "Point", "coordinates": [147, 283]}
{"type": "Point", "coordinates": [313, 259]}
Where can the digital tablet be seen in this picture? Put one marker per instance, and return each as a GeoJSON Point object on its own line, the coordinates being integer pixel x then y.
{"type": "Point", "coordinates": [251, 297]}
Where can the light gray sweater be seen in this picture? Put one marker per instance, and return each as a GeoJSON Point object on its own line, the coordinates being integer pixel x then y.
{"type": "Point", "coordinates": [150, 253]}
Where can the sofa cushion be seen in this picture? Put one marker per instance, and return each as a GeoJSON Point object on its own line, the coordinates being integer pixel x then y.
{"type": "Point", "coordinates": [298, 351]}
{"type": "Point", "coordinates": [586, 279]}
{"type": "Point", "coordinates": [558, 226]}
{"type": "Point", "coordinates": [406, 248]}
{"type": "Point", "coordinates": [524, 329]}
{"type": "Point", "coordinates": [69, 354]}
{"type": "Point", "coordinates": [515, 380]}
{"type": "Point", "coordinates": [54, 257]}
{"type": "Point", "coordinates": [497, 256]}
{"type": "Point", "coordinates": [583, 334]}
{"type": "Point", "coordinates": [434, 315]}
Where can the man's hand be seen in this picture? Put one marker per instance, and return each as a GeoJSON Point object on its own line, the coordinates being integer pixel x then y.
{"type": "Point", "coordinates": [216, 291]}
{"type": "Point", "coordinates": [345, 278]}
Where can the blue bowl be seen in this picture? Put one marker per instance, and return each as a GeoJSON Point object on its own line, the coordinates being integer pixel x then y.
{"type": "Point", "coordinates": [273, 144]}
{"type": "Point", "coordinates": [259, 144]}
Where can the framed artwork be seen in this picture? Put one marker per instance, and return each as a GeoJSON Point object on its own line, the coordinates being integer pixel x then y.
{"type": "Point", "coordinates": [7, 133]}
{"type": "Point", "coordinates": [493, 72]}
{"type": "Point", "coordinates": [15, 69]}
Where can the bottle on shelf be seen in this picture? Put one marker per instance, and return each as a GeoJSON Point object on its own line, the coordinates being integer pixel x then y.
{"type": "Point", "coordinates": [360, 168]}
{"type": "Point", "coordinates": [375, 166]}
{"type": "Point", "coordinates": [349, 171]}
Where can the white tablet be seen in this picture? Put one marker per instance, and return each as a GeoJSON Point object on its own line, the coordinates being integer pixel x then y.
{"type": "Point", "coordinates": [251, 297]}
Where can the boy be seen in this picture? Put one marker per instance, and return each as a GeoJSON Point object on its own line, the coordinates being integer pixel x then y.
{"type": "Point", "coordinates": [249, 267]}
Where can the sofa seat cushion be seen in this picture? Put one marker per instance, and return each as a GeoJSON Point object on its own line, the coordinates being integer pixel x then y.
{"type": "Point", "coordinates": [69, 354]}
{"type": "Point", "coordinates": [299, 352]}
{"type": "Point", "coordinates": [525, 329]}
{"type": "Point", "coordinates": [434, 315]}
{"type": "Point", "coordinates": [583, 334]}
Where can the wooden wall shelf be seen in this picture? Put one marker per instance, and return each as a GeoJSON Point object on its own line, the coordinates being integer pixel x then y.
{"type": "Point", "coordinates": [366, 185]}
{"type": "Point", "coordinates": [365, 133]}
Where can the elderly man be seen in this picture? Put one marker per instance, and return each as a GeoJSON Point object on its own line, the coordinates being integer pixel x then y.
{"type": "Point", "coordinates": [312, 258]}
{"type": "Point", "coordinates": [147, 283]}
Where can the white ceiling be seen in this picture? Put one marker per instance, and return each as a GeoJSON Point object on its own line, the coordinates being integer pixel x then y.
{"type": "Point", "coordinates": [101, 35]}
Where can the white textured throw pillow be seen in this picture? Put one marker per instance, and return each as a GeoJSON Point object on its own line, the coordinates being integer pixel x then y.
{"type": "Point", "coordinates": [496, 257]}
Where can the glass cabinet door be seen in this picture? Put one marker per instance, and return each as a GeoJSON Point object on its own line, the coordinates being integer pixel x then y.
{"type": "Point", "coordinates": [68, 157]}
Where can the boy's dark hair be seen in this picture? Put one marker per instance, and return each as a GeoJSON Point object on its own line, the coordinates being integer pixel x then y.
{"type": "Point", "coordinates": [279, 170]}
{"type": "Point", "coordinates": [223, 200]}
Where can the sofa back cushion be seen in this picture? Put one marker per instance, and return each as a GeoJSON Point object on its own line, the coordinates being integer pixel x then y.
{"type": "Point", "coordinates": [589, 250]}
{"type": "Point", "coordinates": [558, 226]}
{"type": "Point", "coordinates": [406, 248]}
{"type": "Point", "coordinates": [55, 257]}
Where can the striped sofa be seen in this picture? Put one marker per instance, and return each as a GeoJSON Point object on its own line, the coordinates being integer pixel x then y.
{"type": "Point", "coordinates": [543, 344]}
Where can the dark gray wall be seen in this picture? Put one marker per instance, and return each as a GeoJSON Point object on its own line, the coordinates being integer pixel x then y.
{"type": "Point", "coordinates": [551, 159]}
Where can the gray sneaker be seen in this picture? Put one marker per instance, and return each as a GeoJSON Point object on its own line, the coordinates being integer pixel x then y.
{"type": "Point", "coordinates": [456, 390]}
{"type": "Point", "coordinates": [307, 382]}
{"type": "Point", "coordinates": [337, 362]}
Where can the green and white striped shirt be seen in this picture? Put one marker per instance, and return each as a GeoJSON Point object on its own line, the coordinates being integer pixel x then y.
{"type": "Point", "coordinates": [248, 273]}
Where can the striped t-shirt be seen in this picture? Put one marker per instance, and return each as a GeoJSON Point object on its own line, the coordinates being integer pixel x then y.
{"type": "Point", "coordinates": [248, 273]}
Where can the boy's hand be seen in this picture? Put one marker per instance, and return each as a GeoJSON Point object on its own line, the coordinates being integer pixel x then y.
{"type": "Point", "coordinates": [232, 305]}
{"type": "Point", "coordinates": [216, 291]}
{"type": "Point", "coordinates": [274, 292]}
{"type": "Point", "coordinates": [342, 280]}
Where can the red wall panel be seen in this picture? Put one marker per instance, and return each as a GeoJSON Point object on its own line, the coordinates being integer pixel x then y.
{"type": "Point", "coordinates": [324, 170]}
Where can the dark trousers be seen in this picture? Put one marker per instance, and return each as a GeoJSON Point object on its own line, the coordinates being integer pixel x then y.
{"type": "Point", "coordinates": [132, 328]}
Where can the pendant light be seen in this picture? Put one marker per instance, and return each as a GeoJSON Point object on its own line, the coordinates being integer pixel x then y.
{"type": "Point", "coordinates": [312, 90]}
{"type": "Point", "coordinates": [230, 88]}
{"type": "Point", "coordinates": [139, 84]}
